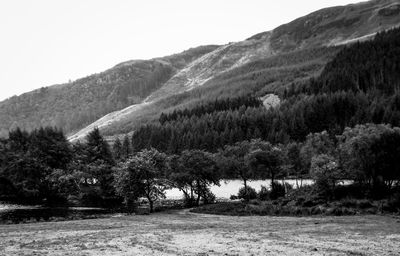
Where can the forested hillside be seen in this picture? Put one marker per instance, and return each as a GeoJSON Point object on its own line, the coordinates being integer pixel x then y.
{"type": "Point", "coordinates": [269, 62]}
{"type": "Point", "coordinates": [291, 53]}
{"type": "Point", "coordinates": [360, 85]}
{"type": "Point", "coordinates": [270, 74]}
{"type": "Point", "coordinates": [76, 104]}
{"type": "Point", "coordinates": [364, 67]}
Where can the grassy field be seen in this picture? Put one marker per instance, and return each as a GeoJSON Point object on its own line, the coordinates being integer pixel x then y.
{"type": "Point", "coordinates": [185, 233]}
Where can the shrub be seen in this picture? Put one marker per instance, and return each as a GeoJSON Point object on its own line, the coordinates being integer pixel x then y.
{"type": "Point", "coordinates": [348, 202]}
{"type": "Point", "coordinates": [91, 198]}
{"type": "Point", "coordinates": [365, 204]}
{"type": "Point", "coordinates": [309, 203]}
{"type": "Point", "coordinates": [277, 190]}
{"type": "Point", "coordinates": [324, 170]}
{"type": "Point", "coordinates": [394, 202]}
{"type": "Point", "coordinates": [289, 187]}
{"type": "Point", "coordinates": [264, 194]}
{"type": "Point", "coordinates": [188, 201]}
{"type": "Point", "coordinates": [234, 209]}
{"type": "Point", "coordinates": [354, 190]}
{"type": "Point", "coordinates": [248, 195]}
{"type": "Point", "coordinates": [304, 192]}
{"type": "Point", "coordinates": [208, 196]}
{"type": "Point", "coordinates": [233, 197]}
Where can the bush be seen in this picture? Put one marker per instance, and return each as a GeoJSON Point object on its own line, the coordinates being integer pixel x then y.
{"type": "Point", "coordinates": [248, 195]}
{"type": "Point", "coordinates": [277, 191]}
{"type": "Point", "coordinates": [324, 170]}
{"type": "Point", "coordinates": [365, 204]}
{"type": "Point", "coordinates": [91, 198]}
{"type": "Point", "coordinates": [233, 197]}
{"type": "Point", "coordinates": [394, 203]}
{"type": "Point", "coordinates": [378, 191]}
{"type": "Point", "coordinates": [188, 201]}
{"type": "Point", "coordinates": [348, 202]}
{"type": "Point", "coordinates": [232, 208]}
{"type": "Point", "coordinates": [354, 190]}
{"type": "Point", "coordinates": [208, 196]}
{"type": "Point", "coordinates": [304, 192]}
{"type": "Point", "coordinates": [264, 194]}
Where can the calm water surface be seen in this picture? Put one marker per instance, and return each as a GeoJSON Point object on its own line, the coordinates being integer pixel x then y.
{"type": "Point", "coordinates": [231, 187]}
{"type": "Point", "coordinates": [17, 213]}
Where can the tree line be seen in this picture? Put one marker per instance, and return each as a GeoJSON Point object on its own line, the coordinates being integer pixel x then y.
{"type": "Point", "coordinates": [293, 120]}
{"type": "Point", "coordinates": [42, 167]}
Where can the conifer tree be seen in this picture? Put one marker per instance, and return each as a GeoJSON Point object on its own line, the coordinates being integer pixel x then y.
{"type": "Point", "coordinates": [117, 149]}
{"type": "Point", "coordinates": [97, 147]}
{"type": "Point", "coordinates": [126, 147]}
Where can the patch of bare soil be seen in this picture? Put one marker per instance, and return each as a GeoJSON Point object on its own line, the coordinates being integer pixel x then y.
{"type": "Point", "coordinates": [185, 233]}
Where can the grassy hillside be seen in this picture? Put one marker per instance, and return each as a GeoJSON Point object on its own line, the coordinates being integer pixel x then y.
{"type": "Point", "coordinates": [334, 25]}
{"type": "Point", "coordinates": [271, 74]}
{"type": "Point", "coordinates": [74, 105]}
{"type": "Point", "coordinates": [177, 89]}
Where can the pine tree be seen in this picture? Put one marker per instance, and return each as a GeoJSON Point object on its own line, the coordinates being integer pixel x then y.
{"type": "Point", "coordinates": [97, 148]}
{"type": "Point", "coordinates": [117, 149]}
{"type": "Point", "coordinates": [126, 148]}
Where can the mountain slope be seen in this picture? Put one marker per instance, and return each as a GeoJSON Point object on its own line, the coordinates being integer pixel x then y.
{"type": "Point", "coordinates": [266, 62]}
{"type": "Point", "coordinates": [360, 85]}
{"type": "Point", "coordinates": [136, 92]}
{"type": "Point", "coordinates": [272, 74]}
{"type": "Point", "coordinates": [74, 105]}
{"type": "Point", "coordinates": [222, 59]}
{"type": "Point", "coordinates": [194, 75]}
{"type": "Point", "coordinates": [334, 25]}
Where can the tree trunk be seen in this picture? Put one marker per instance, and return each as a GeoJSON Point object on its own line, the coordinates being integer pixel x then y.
{"type": "Point", "coordinates": [284, 185]}
{"type": "Point", "coordinates": [272, 177]}
{"type": "Point", "coordinates": [130, 205]}
{"type": "Point", "coordinates": [198, 200]}
{"type": "Point", "coordinates": [149, 197]}
{"type": "Point", "coordinates": [186, 193]}
{"type": "Point", "coordinates": [246, 195]}
{"type": "Point", "coordinates": [191, 195]}
{"type": "Point", "coordinates": [151, 206]}
{"type": "Point", "coordinates": [198, 193]}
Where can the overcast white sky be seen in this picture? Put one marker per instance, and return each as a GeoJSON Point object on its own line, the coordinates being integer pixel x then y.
{"type": "Point", "coordinates": [45, 42]}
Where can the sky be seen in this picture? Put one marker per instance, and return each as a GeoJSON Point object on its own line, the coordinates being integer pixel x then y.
{"type": "Point", "coordinates": [46, 42]}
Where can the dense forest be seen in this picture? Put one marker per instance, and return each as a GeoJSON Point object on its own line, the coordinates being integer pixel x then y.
{"type": "Point", "coordinates": [256, 78]}
{"type": "Point", "coordinates": [360, 85]}
{"type": "Point", "coordinates": [362, 67]}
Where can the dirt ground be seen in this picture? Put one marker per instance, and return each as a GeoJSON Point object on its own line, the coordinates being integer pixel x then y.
{"type": "Point", "coordinates": [184, 233]}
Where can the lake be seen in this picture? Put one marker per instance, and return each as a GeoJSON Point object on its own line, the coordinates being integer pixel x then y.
{"type": "Point", "coordinates": [231, 187]}
{"type": "Point", "coordinates": [20, 214]}
{"type": "Point", "coordinates": [17, 213]}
